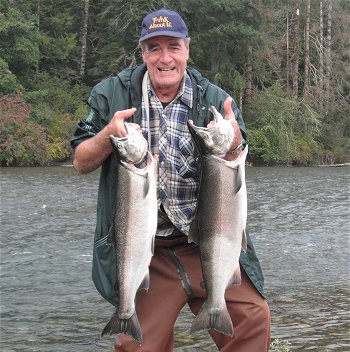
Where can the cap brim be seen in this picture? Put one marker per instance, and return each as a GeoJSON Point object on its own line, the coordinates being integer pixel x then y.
{"type": "Point", "coordinates": [163, 33]}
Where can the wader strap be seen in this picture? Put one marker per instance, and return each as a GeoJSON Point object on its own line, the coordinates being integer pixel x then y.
{"type": "Point", "coordinates": [182, 273]}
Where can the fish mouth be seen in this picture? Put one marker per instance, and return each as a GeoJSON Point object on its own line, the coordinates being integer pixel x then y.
{"type": "Point", "coordinates": [139, 170]}
{"type": "Point", "coordinates": [209, 129]}
{"type": "Point", "coordinates": [217, 116]}
{"type": "Point", "coordinates": [118, 139]}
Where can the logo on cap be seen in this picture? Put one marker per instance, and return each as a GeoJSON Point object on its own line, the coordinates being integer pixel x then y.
{"type": "Point", "coordinates": [160, 22]}
{"type": "Point", "coordinates": [163, 22]}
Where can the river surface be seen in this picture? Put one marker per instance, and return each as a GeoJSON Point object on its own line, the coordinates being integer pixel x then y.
{"type": "Point", "coordinates": [298, 218]}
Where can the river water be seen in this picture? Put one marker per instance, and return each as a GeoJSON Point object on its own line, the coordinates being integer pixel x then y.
{"type": "Point", "coordinates": [298, 218]}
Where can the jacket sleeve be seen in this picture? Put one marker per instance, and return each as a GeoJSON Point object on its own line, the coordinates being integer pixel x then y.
{"type": "Point", "coordinates": [97, 117]}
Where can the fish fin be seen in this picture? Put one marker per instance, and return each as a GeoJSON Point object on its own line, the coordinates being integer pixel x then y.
{"type": "Point", "coordinates": [213, 318]}
{"type": "Point", "coordinates": [146, 186]}
{"type": "Point", "coordinates": [129, 327]}
{"type": "Point", "coordinates": [236, 277]}
{"type": "Point", "coordinates": [145, 283]}
{"type": "Point", "coordinates": [244, 241]}
{"type": "Point", "coordinates": [193, 235]}
{"type": "Point", "coordinates": [238, 179]}
{"type": "Point", "coordinates": [153, 244]}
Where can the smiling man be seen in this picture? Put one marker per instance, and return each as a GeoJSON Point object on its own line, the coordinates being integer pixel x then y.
{"type": "Point", "coordinates": [158, 98]}
{"type": "Point", "coordinates": [166, 60]}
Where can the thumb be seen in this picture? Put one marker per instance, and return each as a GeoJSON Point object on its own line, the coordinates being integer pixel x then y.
{"type": "Point", "coordinates": [125, 114]}
{"type": "Point", "coordinates": [118, 120]}
{"type": "Point", "coordinates": [229, 114]}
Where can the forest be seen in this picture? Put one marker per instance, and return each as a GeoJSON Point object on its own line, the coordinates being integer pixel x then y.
{"type": "Point", "coordinates": [285, 62]}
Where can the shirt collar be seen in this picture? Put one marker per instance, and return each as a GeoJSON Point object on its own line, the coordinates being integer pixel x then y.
{"type": "Point", "coordinates": [185, 93]}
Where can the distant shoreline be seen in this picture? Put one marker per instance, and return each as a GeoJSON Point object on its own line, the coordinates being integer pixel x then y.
{"type": "Point", "coordinates": [248, 164]}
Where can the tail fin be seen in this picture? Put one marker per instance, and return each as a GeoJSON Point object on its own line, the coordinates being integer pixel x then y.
{"type": "Point", "coordinates": [213, 318]}
{"type": "Point", "coordinates": [129, 327]}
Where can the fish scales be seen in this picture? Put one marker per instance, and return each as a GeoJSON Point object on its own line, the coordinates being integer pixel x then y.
{"type": "Point", "coordinates": [220, 220]}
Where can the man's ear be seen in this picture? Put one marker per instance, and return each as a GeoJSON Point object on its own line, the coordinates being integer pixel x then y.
{"type": "Point", "coordinates": [188, 48]}
{"type": "Point", "coordinates": [143, 51]}
{"type": "Point", "coordinates": [143, 56]}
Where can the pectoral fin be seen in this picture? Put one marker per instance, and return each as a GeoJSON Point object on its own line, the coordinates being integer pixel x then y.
{"type": "Point", "coordinates": [238, 184]}
{"type": "Point", "coordinates": [193, 235]}
{"type": "Point", "coordinates": [244, 241]}
{"type": "Point", "coordinates": [146, 186]}
{"type": "Point", "coordinates": [236, 277]}
{"type": "Point", "coordinates": [145, 283]}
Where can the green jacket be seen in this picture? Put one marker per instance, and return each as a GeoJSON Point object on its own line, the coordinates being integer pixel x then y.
{"type": "Point", "coordinates": [119, 93]}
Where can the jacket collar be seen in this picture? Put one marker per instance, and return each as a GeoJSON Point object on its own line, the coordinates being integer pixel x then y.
{"type": "Point", "coordinates": [133, 81]}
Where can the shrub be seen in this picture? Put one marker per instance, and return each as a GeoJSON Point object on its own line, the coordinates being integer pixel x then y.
{"type": "Point", "coordinates": [282, 130]}
{"type": "Point", "coordinates": [57, 105]}
{"type": "Point", "coordinates": [22, 142]}
{"type": "Point", "coordinates": [8, 81]}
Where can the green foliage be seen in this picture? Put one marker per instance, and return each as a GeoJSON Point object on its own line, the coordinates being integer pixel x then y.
{"type": "Point", "coordinates": [282, 130]}
{"type": "Point", "coordinates": [57, 149]}
{"type": "Point", "coordinates": [19, 41]}
{"type": "Point", "coordinates": [40, 54]}
{"type": "Point", "coordinates": [8, 81]}
{"type": "Point", "coordinates": [335, 133]}
{"type": "Point", "coordinates": [22, 142]}
{"type": "Point", "coordinates": [57, 105]}
{"type": "Point", "coordinates": [52, 96]}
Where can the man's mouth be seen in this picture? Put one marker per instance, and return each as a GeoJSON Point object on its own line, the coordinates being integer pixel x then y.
{"type": "Point", "coordinates": [166, 69]}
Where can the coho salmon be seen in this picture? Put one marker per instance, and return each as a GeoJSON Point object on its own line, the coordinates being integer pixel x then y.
{"type": "Point", "coordinates": [133, 230]}
{"type": "Point", "coordinates": [220, 220]}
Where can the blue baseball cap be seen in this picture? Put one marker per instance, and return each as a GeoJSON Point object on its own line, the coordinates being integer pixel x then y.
{"type": "Point", "coordinates": [163, 22]}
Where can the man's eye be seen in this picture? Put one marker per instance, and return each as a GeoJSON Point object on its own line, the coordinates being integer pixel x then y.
{"type": "Point", "coordinates": [153, 50]}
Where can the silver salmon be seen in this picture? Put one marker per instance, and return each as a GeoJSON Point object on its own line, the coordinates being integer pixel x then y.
{"type": "Point", "coordinates": [220, 220]}
{"type": "Point", "coordinates": [133, 230]}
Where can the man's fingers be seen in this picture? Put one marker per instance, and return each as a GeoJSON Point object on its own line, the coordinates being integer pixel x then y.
{"type": "Point", "coordinates": [118, 121]}
{"type": "Point", "coordinates": [124, 114]}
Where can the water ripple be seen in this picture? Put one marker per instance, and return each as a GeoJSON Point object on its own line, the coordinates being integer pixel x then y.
{"type": "Point", "coordinates": [298, 219]}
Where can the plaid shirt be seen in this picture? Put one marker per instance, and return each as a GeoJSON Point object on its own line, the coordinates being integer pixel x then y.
{"type": "Point", "coordinates": [177, 200]}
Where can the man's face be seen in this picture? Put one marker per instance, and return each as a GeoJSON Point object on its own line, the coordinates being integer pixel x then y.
{"type": "Point", "coordinates": [166, 59]}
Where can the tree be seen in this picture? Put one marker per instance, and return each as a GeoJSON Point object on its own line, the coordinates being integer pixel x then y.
{"type": "Point", "coordinates": [58, 37]}
{"type": "Point", "coordinates": [19, 40]}
{"type": "Point", "coordinates": [321, 49]}
{"type": "Point", "coordinates": [307, 49]}
{"type": "Point", "coordinates": [51, 49]}
{"type": "Point", "coordinates": [287, 50]}
{"type": "Point", "coordinates": [296, 54]}
{"type": "Point", "coordinates": [83, 38]}
{"type": "Point", "coordinates": [328, 48]}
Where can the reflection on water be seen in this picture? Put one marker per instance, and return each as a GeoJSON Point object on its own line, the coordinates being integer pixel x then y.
{"type": "Point", "coordinates": [298, 218]}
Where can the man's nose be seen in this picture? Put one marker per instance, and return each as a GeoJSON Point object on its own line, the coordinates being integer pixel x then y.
{"type": "Point", "coordinates": [165, 56]}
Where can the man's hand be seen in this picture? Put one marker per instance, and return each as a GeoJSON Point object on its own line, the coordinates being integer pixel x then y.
{"type": "Point", "coordinates": [230, 115]}
{"type": "Point", "coordinates": [90, 154]}
{"type": "Point", "coordinates": [116, 125]}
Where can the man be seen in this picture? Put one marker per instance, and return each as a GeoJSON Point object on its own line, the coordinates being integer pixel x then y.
{"type": "Point", "coordinates": [158, 98]}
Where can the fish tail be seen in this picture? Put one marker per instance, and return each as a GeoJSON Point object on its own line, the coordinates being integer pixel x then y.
{"type": "Point", "coordinates": [129, 327]}
{"type": "Point", "coordinates": [216, 318]}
